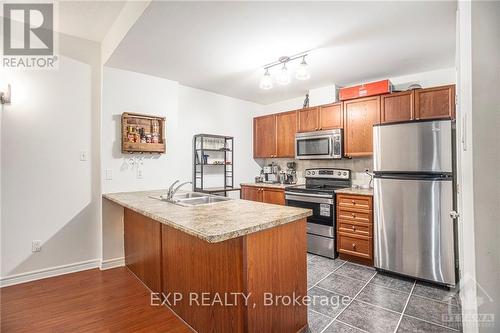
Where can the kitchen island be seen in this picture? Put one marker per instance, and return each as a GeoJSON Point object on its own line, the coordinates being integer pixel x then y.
{"type": "Point", "coordinates": [231, 266]}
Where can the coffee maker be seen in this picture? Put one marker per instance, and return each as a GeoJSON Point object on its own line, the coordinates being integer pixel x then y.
{"type": "Point", "coordinates": [291, 173]}
{"type": "Point", "coordinates": [271, 173]}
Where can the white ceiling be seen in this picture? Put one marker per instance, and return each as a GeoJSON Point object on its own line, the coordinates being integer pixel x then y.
{"type": "Point", "coordinates": [222, 46]}
{"type": "Point", "coordinates": [88, 19]}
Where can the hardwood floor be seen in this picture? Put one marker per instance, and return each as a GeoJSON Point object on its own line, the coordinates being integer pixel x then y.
{"type": "Point", "coordinates": [90, 301]}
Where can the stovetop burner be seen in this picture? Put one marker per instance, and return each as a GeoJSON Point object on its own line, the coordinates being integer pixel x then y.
{"type": "Point", "coordinates": [324, 180]}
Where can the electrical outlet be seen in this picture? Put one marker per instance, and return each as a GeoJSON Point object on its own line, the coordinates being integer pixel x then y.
{"type": "Point", "coordinates": [139, 173]}
{"type": "Point", "coordinates": [36, 245]}
{"type": "Point", "coordinates": [83, 155]}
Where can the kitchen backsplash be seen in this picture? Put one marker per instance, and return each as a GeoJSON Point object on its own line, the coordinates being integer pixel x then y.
{"type": "Point", "coordinates": [356, 165]}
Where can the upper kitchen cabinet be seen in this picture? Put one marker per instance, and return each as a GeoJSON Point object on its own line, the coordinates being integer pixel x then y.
{"type": "Point", "coordinates": [435, 103]}
{"type": "Point", "coordinates": [359, 117]}
{"type": "Point", "coordinates": [331, 116]}
{"type": "Point", "coordinates": [397, 107]}
{"type": "Point", "coordinates": [308, 119]}
{"type": "Point", "coordinates": [286, 127]}
{"type": "Point", "coordinates": [264, 136]}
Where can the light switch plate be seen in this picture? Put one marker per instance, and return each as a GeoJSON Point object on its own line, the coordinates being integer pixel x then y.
{"type": "Point", "coordinates": [83, 155]}
{"type": "Point", "coordinates": [139, 173]}
{"type": "Point", "coordinates": [109, 174]}
{"type": "Point", "coordinates": [36, 245]}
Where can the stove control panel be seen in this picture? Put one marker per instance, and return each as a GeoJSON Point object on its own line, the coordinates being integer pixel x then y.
{"type": "Point", "coordinates": [330, 173]}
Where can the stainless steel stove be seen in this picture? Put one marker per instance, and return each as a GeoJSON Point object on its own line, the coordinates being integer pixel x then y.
{"type": "Point", "coordinates": [318, 194]}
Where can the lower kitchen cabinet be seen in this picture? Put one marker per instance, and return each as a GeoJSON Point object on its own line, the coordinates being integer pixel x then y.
{"type": "Point", "coordinates": [263, 194]}
{"type": "Point", "coordinates": [355, 228]}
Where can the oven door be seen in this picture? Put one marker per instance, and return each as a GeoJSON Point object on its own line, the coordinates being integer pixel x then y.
{"type": "Point", "coordinates": [314, 147]}
{"type": "Point", "coordinates": [322, 221]}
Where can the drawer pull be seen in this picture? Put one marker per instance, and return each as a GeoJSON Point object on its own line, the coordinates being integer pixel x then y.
{"type": "Point", "coordinates": [353, 215]}
{"type": "Point", "coordinates": [353, 228]}
{"type": "Point", "coordinates": [353, 202]}
{"type": "Point", "coordinates": [354, 246]}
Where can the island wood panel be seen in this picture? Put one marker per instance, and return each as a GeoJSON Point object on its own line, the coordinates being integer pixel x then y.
{"type": "Point", "coordinates": [272, 260]}
{"type": "Point", "coordinates": [191, 265]}
{"type": "Point", "coordinates": [142, 238]}
{"type": "Point", "coordinates": [397, 107]}
{"type": "Point", "coordinates": [308, 119]}
{"type": "Point", "coordinates": [286, 127]}
{"type": "Point", "coordinates": [331, 116]}
{"type": "Point", "coordinates": [280, 275]}
{"type": "Point", "coordinates": [359, 117]}
{"type": "Point", "coordinates": [273, 196]}
{"type": "Point", "coordinates": [264, 136]}
{"type": "Point", "coordinates": [435, 103]}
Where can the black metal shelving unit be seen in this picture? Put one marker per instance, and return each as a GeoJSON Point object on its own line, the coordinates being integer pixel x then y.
{"type": "Point", "coordinates": [220, 146]}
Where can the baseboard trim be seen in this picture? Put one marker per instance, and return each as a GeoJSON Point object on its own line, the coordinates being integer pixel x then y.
{"type": "Point", "coordinates": [48, 272]}
{"type": "Point", "coordinates": [112, 263]}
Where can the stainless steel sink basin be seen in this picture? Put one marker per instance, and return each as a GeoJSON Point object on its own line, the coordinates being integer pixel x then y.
{"type": "Point", "coordinates": [189, 199]}
{"type": "Point", "coordinates": [189, 195]}
{"type": "Point", "coordinates": [207, 199]}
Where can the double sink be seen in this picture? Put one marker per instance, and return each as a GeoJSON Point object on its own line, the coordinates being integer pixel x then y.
{"type": "Point", "coordinates": [190, 199]}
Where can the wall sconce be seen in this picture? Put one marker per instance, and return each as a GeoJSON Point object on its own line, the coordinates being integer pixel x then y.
{"type": "Point", "coordinates": [5, 94]}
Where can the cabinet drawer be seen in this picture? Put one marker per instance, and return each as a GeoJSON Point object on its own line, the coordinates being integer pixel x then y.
{"type": "Point", "coordinates": [354, 215]}
{"type": "Point", "coordinates": [352, 201]}
{"type": "Point", "coordinates": [354, 228]}
{"type": "Point", "coordinates": [354, 246]}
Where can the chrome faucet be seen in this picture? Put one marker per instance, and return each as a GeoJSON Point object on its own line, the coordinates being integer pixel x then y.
{"type": "Point", "coordinates": [171, 190]}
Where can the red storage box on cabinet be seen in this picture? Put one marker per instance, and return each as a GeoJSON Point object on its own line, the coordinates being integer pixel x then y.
{"type": "Point", "coordinates": [366, 89]}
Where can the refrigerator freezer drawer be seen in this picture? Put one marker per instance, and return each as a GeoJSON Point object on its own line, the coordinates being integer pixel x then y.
{"type": "Point", "coordinates": [413, 147]}
{"type": "Point", "coordinates": [413, 228]}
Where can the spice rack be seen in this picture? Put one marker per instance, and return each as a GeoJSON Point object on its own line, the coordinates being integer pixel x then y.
{"type": "Point", "coordinates": [143, 133]}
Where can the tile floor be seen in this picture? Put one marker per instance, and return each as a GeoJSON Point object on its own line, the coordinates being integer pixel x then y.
{"type": "Point", "coordinates": [350, 298]}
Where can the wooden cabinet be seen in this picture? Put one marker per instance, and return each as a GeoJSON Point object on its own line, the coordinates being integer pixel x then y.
{"type": "Point", "coordinates": [435, 103]}
{"type": "Point", "coordinates": [320, 118]}
{"type": "Point", "coordinates": [331, 116]}
{"type": "Point", "coordinates": [263, 194]}
{"type": "Point", "coordinates": [274, 135]}
{"type": "Point", "coordinates": [264, 136]}
{"type": "Point", "coordinates": [359, 117]}
{"type": "Point", "coordinates": [251, 193]}
{"type": "Point", "coordinates": [286, 127]}
{"type": "Point", "coordinates": [355, 228]}
{"type": "Point", "coordinates": [308, 119]}
{"type": "Point", "coordinates": [397, 107]}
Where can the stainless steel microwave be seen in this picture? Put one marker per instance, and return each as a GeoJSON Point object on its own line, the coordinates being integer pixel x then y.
{"type": "Point", "coordinates": [319, 145]}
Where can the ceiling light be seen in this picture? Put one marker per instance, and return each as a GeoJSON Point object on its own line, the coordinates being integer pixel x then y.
{"type": "Point", "coordinates": [302, 72]}
{"type": "Point", "coordinates": [266, 82]}
{"type": "Point", "coordinates": [283, 76]}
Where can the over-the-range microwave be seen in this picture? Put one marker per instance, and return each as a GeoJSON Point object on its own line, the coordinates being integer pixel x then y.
{"type": "Point", "coordinates": [319, 145]}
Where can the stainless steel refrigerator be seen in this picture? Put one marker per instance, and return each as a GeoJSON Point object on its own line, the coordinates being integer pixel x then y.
{"type": "Point", "coordinates": [414, 200]}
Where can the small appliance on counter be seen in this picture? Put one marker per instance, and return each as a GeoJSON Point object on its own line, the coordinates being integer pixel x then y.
{"type": "Point", "coordinates": [271, 173]}
{"type": "Point", "coordinates": [318, 194]}
{"type": "Point", "coordinates": [290, 173]}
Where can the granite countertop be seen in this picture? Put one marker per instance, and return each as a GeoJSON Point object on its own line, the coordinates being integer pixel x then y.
{"type": "Point", "coordinates": [215, 222]}
{"type": "Point", "coordinates": [356, 191]}
{"type": "Point", "coordinates": [269, 185]}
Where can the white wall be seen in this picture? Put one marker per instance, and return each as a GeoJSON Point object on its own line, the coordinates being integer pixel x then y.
{"type": "Point", "coordinates": [48, 194]}
{"type": "Point", "coordinates": [188, 111]}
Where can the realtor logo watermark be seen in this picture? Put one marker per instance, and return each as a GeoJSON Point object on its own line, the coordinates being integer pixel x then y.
{"type": "Point", "coordinates": [29, 41]}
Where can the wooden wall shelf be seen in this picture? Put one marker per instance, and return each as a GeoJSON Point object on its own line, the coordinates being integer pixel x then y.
{"type": "Point", "coordinates": [151, 127]}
